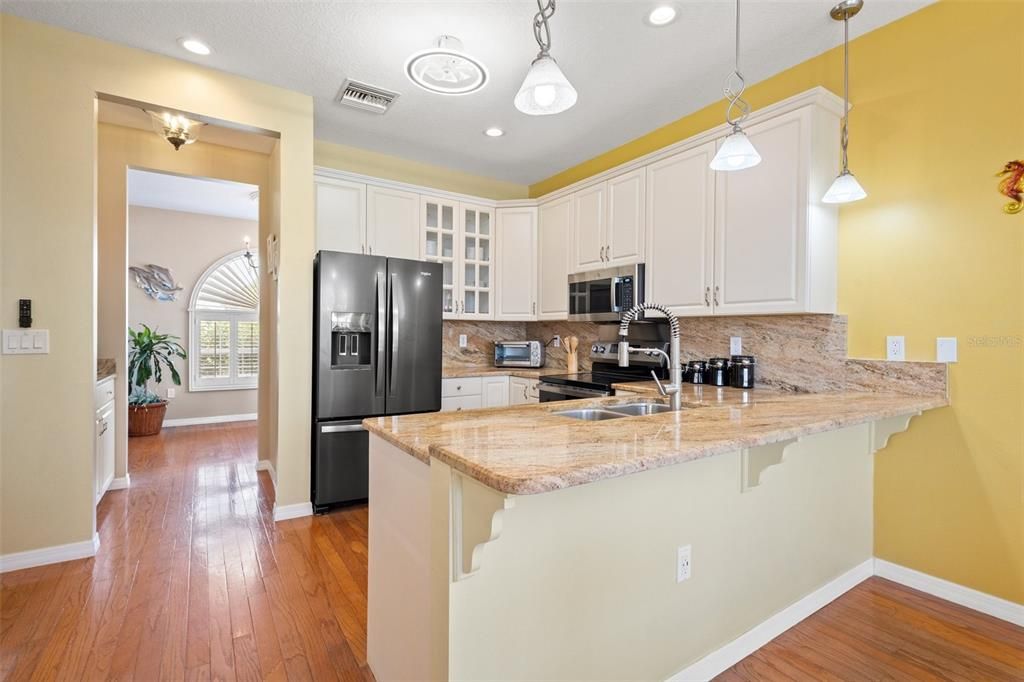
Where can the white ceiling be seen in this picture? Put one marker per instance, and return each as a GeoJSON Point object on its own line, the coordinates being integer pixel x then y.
{"type": "Point", "coordinates": [192, 194]}
{"type": "Point", "coordinates": [631, 78]}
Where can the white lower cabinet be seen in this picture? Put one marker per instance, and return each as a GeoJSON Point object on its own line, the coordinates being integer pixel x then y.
{"type": "Point", "coordinates": [523, 391]}
{"type": "Point", "coordinates": [470, 393]}
{"type": "Point", "coordinates": [495, 391]}
{"type": "Point", "coordinates": [105, 435]}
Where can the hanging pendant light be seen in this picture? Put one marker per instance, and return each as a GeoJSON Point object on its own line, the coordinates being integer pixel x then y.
{"type": "Point", "coordinates": [736, 152]}
{"type": "Point", "coordinates": [545, 89]}
{"type": "Point", "coordinates": [845, 187]}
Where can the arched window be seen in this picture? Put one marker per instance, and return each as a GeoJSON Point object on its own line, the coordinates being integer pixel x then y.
{"type": "Point", "coordinates": [224, 343]}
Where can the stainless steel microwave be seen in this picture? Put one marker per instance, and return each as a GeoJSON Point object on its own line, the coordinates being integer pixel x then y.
{"type": "Point", "coordinates": [518, 354]}
{"type": "Point", "coordinates": [603, 295]}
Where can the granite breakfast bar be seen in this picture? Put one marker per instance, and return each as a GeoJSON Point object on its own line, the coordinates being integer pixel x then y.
{"type": "Point", "coordinates": [502, 531]}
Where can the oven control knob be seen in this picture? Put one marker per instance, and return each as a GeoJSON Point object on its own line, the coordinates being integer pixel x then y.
{"type": "Point", "coordinates": [602, 349]}
{"type": "Point", "coordinates": [594, 348]}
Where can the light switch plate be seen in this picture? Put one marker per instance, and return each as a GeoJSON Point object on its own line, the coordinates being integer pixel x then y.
{"type": "Point", "coordinates": [171, 393]}
{"type": "Point", "coordinates": [895, 348]}
{"type": "Point", "coordinates": [463, 341]}
{"type": "Point", "coordinates": [735, 345]}
{"type": "Point", "coordinates": [945, 349]}
{"type": "Point", "coordinates": [26, 341]}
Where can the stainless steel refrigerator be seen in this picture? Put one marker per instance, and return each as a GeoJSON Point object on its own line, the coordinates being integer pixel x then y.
{"type": "Point", "coordinates": [376, 351]}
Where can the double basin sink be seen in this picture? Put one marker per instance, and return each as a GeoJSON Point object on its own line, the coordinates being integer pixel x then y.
{"type": "Point", "coordinates": [597, 414]}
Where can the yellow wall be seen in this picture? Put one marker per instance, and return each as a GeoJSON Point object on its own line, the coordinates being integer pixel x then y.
{"type": "Point", "coordinates": [939, 105]}
{"type": "Point", "coordinates": [378, 165]}
{"type": "Point", "coordinates": [50, 78]}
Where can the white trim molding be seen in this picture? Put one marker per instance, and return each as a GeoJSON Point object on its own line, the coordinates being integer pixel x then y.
{"type": "Point", "coordinates": [975, 600]}
{"type": "Point", "coordinates": [268, 466]}
{"type": "Point", "coordinates": [222, 419]}
{"type": "Point", "coordinates": [735, 651]}
{"type": "Point", "coordinates": [121, 483]}
{"type": "Point", "coordinates": [50, 555]}
{"type": "Point", "coordinates": [284, 512]}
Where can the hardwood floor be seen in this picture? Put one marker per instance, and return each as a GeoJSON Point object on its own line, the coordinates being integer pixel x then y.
{"type": "Point", "coordinates": [881, 630]}
{"type": "Point", "coordinates": [195, 581]}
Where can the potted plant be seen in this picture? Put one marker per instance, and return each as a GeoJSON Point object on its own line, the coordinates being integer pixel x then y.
{"type": "Point", "coordinates": [150, 354]}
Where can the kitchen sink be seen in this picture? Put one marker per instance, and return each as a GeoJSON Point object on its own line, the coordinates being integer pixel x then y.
{"type": "Point", "coordinates": [639, 409]}
{"type": "Point", "coordinates": [590, 415]}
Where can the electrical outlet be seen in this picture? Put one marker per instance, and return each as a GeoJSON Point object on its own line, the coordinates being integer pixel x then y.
{"type": "Point", "coordinates": [735, 345]}
{"type": "Point", "coordinates": [895, 349]}
{"type": "Point", "coordinates": [463, 341]}
{"type": "Point", "coordinates": [556, 341]}
{"type": "Point", "coordinates": [945, 349]}
{"type": "Point", "coordinates": [171, 393]}
{"type": "Point", "coordinates": [684, 562]}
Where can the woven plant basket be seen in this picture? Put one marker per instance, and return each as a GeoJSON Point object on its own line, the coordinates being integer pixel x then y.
{"type": "Point", "coordinates": [146, 420]}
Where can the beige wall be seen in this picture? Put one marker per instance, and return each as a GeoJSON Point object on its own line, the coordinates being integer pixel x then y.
{"type": "Point", "coordinates": [48, 203]}
{"type": "Point", "coordinates": [188, 244]}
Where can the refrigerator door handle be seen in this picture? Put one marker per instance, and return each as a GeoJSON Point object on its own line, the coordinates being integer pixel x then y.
{"type": "Point", "coordinates": [394, 332]}
{"type": "Point", "coordinates": [341, 428]}
{"type": "Point", "coordinates": [379, 369]}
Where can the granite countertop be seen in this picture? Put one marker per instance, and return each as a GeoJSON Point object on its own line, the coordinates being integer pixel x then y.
{"type": "Point", "coordinates": [527, 450]}
{"type": "Point", "coordinates": [491, 371]}
{"type": "Point", "coordinates": [105, 368]}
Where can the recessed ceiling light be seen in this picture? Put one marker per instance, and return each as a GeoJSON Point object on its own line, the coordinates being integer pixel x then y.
{"type": "Point", "coordinates": [494, 132]}
{"type": "Point", "coordinates": [661, 15]}
{"type": "Point", "coordinates": [445, 69]}
{"type": "Point", "coordinates": [194, 46]}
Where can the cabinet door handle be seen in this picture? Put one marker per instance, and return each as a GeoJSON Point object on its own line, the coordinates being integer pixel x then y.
{"type": "Point", "coordinates": [369, 250]}
{"type": "Point", "coordinates": [707, 296]}
{"type": "Point", "coordinates": [716, 294]}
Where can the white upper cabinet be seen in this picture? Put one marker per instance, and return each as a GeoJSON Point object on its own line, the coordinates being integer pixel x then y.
{"type": "Point", "coordinates": [392, 222]}
{"type": "Point", "coordinates": [477, 301]}
{"type": "Point", "coordinates": [340, 215]}
{"type": "Point", "coordinates": [609, 222]}
{"type": "Point", "coordinates": [441, 235]}
{"type": "Point", "coordinates": [775, 242]}
{"type": "Point", "coordinates": [516, 250]}
{"type": "Point", "coordinates": [624, 227]}
{"type": "Point", "coordinates": [680, 231]}
{"type": "Point", "coordinates": [461, 236]}
{"type": "Point", "coordinates": [554, 235]}
{"type": "Point", "coordinates": [589, 245]}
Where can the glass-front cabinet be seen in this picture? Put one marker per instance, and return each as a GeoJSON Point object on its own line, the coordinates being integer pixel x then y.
{"type": "Point", "coordinates": [461, 237]}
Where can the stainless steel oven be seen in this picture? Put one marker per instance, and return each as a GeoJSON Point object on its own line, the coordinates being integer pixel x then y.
{"type": "Point", "coordinates": [603, 295]}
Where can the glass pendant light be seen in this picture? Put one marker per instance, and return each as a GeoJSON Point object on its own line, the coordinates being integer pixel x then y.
{"type": "Point", "coordinates": [845, 187]}
{"type": "Point", "coordinates": [178, 130]}
{"type": "Point", "coordinates": [545, 89]}
{"type": "Point", "coordinates": [736, 152]}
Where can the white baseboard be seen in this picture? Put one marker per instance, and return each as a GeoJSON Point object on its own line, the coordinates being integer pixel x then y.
{"type": "Point", "coordinates": [735, 651]}
{"type": "Point", "coordinates": [121, 483]}
{"type": "Point", "coordinates": [50, 555]}
{"type": "Point", "coordinates": [268, 466]}
{"type": "Point", "coordinates": [958, 594]}
{"type": "Point", "coordinates": [222, 419]}
{"type": "Point", "coordinates": [292, 511]}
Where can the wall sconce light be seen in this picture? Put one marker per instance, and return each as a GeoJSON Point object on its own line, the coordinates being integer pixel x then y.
{"type": "Point", "coordinates": [250, 257]}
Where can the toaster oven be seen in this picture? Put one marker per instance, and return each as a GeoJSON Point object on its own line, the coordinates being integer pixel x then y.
{"type": "Point", "coordinates": [518, 354]}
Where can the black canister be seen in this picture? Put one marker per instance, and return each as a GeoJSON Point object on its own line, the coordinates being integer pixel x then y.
{"type": "Point", "coordinates": [716, 373]}
{"type": "Point", "coordinates": [695, 370]}
{"type": "Point", "coordinates": [741, 371]}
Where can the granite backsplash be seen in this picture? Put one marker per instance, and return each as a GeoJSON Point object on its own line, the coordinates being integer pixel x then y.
{"type": "Point", "coordinates": [800, 353]}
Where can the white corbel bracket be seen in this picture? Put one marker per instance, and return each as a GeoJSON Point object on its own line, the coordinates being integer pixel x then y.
{"type": "Point", "coordinates": [884, 429]}
{"type": "Point", "coordinates": [491, 502]}
{"type": "Point", "coordinates": [754, 461]}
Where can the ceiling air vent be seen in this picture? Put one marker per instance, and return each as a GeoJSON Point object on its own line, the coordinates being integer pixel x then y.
{"type": "Point", "coordinates": [366, 97]}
